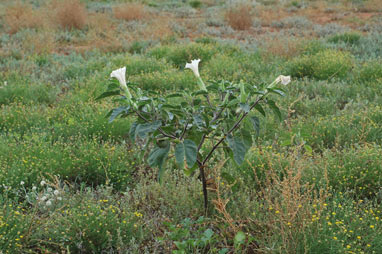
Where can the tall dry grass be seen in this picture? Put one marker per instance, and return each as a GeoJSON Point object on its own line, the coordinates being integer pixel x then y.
{"type": "Point", "coordinates": [130, 11]}
{"type": "Point", "coordinates": [20, 16]}
{"type": "Point", "coordinates": [239, 18]}
{"type": "Point", "coordinates": [70, 14]}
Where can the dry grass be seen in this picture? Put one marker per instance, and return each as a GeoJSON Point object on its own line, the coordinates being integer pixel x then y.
{"type": "Point", "coordinates": [130, 11]}
{"type": "Point", "coordinates": [70, 14]}
{"type": "Point", "coordinates": [239, 18]}
{"type": "Point", "coordinates": [20, 16]}
{"type": "Point", "coordinates": [287, 47]}
{"type": "Point", "coordinates": [290, 203]}
{"type": "Point", "coordinates": [40, 43]}
{"type": "Point", "coordinates": [101, 34]}
{"type": "Point", "coordinates": [268, 15]}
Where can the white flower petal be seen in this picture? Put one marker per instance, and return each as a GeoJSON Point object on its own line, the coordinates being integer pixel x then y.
{"type": "Point", "coordinates": [120, 75]}
{"type": "Point", "coordinates": [285, 80]}
{"type": "Point", "coordinates": [194, 66]}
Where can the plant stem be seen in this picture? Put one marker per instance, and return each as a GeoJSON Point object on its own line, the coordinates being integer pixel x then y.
{"type": "Point", "coordinates": [204, 184]}
{"type": "Point", "coordinates": [233, 128]}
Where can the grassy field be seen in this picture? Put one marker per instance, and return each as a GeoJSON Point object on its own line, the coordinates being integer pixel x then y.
{"type": "Point", "coordinates": [73, 183]}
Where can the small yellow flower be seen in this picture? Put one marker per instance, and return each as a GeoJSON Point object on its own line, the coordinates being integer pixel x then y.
{"type": "Point", "coordinates": [348, 246]}
{"type": "Point", "coordinates": [358, 237]}
{"type": "Point", "coordinates": [335, 238]}
{"type": "Point", "coordinates": [368, 245]}
{"type": "Point", "coordinates": [371, 226]}
{"type": "Point", "coordinates": [277, 212]}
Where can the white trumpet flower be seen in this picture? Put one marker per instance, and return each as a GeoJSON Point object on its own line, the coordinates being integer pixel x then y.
{"type": "Point", "coordinates": [194, 66]}
{"type": "Point", "coordinates": [120, 75]}
{"type": "Point", "coordinates": [285, 80]}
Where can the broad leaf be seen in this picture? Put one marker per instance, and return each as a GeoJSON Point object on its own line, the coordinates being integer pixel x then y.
{"type": "Point", "coordinates": [174, 95]}
{"type": "Point", "coordinates": [143, 129]}
{"type": "Point", "coordinates": [277, 91]}
{"type": "Point", "coordinates": [157, 157]}
{"type": "Point", "coordinates": [186, 150]}
{"type": "Point", "coordinates": [132, 131]}
{"type": "Point", "coordinates": [116, 112]}
{"type": "Point", "coordinates": [256, 123]}
{"type": "Point", "coordinates": [198, 121]}
{"type": "Point", "coordinates": [238, 148]}
{"type": "Point", "coordinates": [260, 108]}
{"type": "Point", "coordinates": [245, 107]}
{"type": "Point", "coordinates": [108, 94]}
{"type": "Point", "coordinates": [274, 108]}
{"type": "Point", "coordinates": [200, 92]}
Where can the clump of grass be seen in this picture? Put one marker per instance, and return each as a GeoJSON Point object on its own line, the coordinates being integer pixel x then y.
{"type": "Point", "coordinates": [180, 54]}
{"type": "Point", "coordinates": [195, 3]}
{"type": "Point", "coordinates": [71, 14]}
{"type": "Point", "coordinates": [349, 38]}
{"type": "Point", "coordinates": [239, 18]}
{"type": "Point", "coordinates": [130, 11]}
{"type": "Point", "coordinates": [323, 65]}
{"type": "Point", "coordinates": [21, 16]}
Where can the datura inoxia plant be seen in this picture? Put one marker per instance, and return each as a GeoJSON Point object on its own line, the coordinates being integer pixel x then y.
{"type": "Point", "coordinates": [192, 125]}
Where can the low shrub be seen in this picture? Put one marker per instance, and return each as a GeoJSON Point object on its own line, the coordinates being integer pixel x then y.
{"type": "Point", "coordinates": [323, 65]}
{"type": "Point", "coordinates": [349, 38]}
{"type": "Point", "coordinates": [27, 93]}
{"type": "Point", "coordinates": [164, 80]}
{"type": "Point", "coordinates": [180, 54]}
{"type": "Point", "coordinates": [371, 71]}
{"type": "Point", "coordinates": [46, 157]}
{"type": "Point", "coordinates": [344, 225]}
{"type": "Point", "coordinates": [356, 170]}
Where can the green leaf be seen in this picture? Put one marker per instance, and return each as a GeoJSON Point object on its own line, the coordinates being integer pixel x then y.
{"type": "Point", "coordinates": [260, 108]}
{"type": "Point", "coordinates": [132, 131]}
{"type": "Point", "coordinates": [229, 179]}
{"type": "Point", "coordinates": [200, 92]}
{"type": "Point", "coordinates": [186, 150]}
{"type": "Point", "coordinates": [256, 123]}
{"type": "Point", "coordinates": [108, 94]}
{"type": "Point", "coordinates": [116, 112]}
{"type": "Point", "coordinates": [277, 91]}
{"type": "Point", "coordinates": [113, 85]}
{"type": "Point", "coordinates": [238, 148]}
{"type": "Point", "coordinates": [245, 107]}
{"type": "Point", "coordinates": [157, 157]}
{"type": "Point", "coordinates": [274, 108]}
{"type": "Point", "coordinates": [208, 234]}
{"type": "Point", "coordinates": [239, 237]}
{"type": "Point", "coordinates": [198, 120]}
{"type": "Point", "coordinates": [233, 102]}
{"type": "Point", "coordinates": [143, 129]}
{"type": "Point", "coordinates": [174, 95]}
